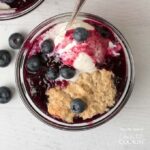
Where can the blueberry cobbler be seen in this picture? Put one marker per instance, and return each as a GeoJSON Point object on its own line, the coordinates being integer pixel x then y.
{"type": "Point", "coordinates": [78, 74]}
{"type": "Point", "coordinates": [12, 6]}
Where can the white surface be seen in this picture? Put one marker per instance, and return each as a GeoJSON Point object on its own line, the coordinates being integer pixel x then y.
{"type": "Point", "coordinates": [20, 130]}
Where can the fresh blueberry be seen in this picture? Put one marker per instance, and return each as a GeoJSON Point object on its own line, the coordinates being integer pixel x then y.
{"type": "Point", "coordinates": [5, 58]}
{"type": "Point", "coordinates": [16, 40]}
{"type": "Point", "coordinates": [52, 74]}
{"type": "Point", "coordinates": [67, 72]}
{"type": "Point", "coordinates": [47, 46]}
{"type": "Point", "coordinates": [5, 95]}
{"type": "Point", "coordinates": [80, 34]}
{"type": "Point", "coordinates": [104, 32]}
{"type": "Point", "coordinates": [33, 63]}
{"type": "Point", "coordinates": [7, 1]}
{"type": "Point", "coordinates": [78, 106]}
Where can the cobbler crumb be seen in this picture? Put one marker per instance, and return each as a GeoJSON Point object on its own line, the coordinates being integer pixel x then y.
{"type": "Point", "coordinates": [97, 89]}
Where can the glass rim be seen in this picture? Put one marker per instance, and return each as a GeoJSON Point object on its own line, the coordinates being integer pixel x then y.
{"type": "Point", "coordinates": [14, 15]}
{"type": "Point", "coordinates": [65, 126]}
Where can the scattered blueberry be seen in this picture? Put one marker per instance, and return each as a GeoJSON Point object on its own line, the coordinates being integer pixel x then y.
{"type": "Point", "coordinates": [5, 95]}
{"type": "Point", "coordinates": [104, 32]}
{"type": "Point", "coordinates": [67, 72]}
{"type": "Point", "coordinates": [78, 105]}
{"type": "Point", "coordinates": [80, 34]}
{"type": "Point", "coordinates": [7, 1]}
{"type": "Point", "coordinates": [33, 63]}
{"type": "Point", "coordinates": [47, 46]}
{"type": "Point", "coordinates": [52, 74]}
{"type": "Point", "coordinates": [5, 58]}
{"type": "Point", "coordinates": [16, 40]}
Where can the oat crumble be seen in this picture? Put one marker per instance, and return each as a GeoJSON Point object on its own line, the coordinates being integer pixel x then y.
{"type": "Point", "coordinates": [97, 89]}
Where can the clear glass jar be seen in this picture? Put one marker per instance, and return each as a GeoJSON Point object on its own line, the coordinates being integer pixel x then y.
{"type": "Point", "coordinates": [18, 13]}
{"type": "Point", "coordinates": [51, 121]}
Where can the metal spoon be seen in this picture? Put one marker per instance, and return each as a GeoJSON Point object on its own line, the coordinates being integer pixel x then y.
{"type": "Point", "coordinates": [75, 13]}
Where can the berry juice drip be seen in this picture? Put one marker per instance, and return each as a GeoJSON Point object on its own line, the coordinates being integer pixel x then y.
{"type": "Point", "coordinates": [37, 84]}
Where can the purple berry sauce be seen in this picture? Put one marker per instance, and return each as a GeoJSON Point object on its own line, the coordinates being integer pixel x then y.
{"type": "Point", "coordinates": [22, 5]}
{"type": "Point", "coordinates": [37, 83]}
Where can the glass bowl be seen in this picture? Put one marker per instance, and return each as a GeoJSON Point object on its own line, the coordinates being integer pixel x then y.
{"type": "Point", "coordinates": [46, 118]}
{"type": "Point", "coordinates": [21, 11]}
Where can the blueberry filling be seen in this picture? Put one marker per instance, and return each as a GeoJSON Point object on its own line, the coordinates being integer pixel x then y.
{"type": "Point", "coordinates": [47, 77]}
{"type": "Point", "coordinates": [19, 5]}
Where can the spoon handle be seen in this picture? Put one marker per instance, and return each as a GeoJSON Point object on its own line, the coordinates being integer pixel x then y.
{"type": "Point", "coordinates": [78, 7]}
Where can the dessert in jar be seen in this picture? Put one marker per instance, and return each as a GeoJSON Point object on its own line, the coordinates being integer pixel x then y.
{"type": "Point", "coordinates": [76, 77]}
{"type": "Point", "coordinates": [14, 8]}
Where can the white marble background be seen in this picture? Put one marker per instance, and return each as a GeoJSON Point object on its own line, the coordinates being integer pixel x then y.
{"type": "Point", "coordinates": [129, 130]}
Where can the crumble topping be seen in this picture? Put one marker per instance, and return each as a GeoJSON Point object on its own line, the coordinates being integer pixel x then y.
{"type": "Point", "coordinates": [96, 89]}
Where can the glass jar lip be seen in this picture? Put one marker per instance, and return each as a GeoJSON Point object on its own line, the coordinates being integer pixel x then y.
{"type": "Point", "coordinates": [20, 13]}
{"type": "Point", "coordinates": [125, 98]}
